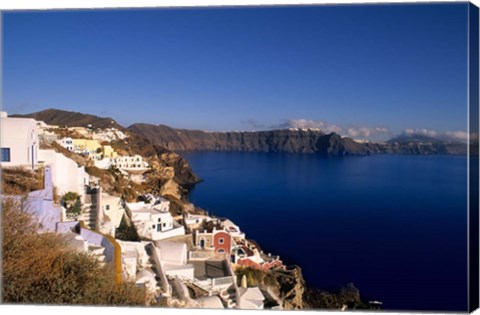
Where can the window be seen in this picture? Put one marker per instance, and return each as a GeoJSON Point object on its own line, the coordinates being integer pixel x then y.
{"type": "Point", "coordinates": [153, 226]}
{"type": "Point", "coordinates": [159, 227]}
{"type": "Point", "coordinates": [221, 240]}
{"type": "Point", "coordinates": [5, 154]}
{"type": "Point", "coordinates": [164, 224]}
{"type": "Point", "coordinates": [158, 220]}
{"type": "Point", "coordinates": [221, 250]}
{"type": "Point", "coordinates": [107, 207]}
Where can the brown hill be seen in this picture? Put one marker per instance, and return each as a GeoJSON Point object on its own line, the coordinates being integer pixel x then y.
{"type": "Point", "coordinates": [64, 118]}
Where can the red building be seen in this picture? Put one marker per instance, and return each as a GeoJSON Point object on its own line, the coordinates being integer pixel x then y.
{"type": "Point", "coordinates": [222, 242]}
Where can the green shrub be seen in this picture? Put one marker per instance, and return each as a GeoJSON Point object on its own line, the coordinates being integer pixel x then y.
{"type": "Point", "coordinates": [73, 205]}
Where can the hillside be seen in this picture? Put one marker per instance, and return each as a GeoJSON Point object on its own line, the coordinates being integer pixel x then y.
{"type": "Point", "coordinates": [171, 173]}
{"type": "Point", "coordinates": [64, 118]}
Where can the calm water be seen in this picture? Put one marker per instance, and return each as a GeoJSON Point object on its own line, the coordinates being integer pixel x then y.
{"type": "Point", "coordinates": [395, 226]}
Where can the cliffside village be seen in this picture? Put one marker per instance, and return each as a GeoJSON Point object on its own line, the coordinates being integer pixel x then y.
{"type": "Point", "coordinates": [187, 260]}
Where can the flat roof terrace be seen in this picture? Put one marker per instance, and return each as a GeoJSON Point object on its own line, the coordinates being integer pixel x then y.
{"type": "Point", "coordinates": [208, 269]}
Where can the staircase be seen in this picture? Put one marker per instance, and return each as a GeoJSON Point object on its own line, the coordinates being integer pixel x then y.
{"type": "Point", "coordinates": [89, 210]}
{"type": "Point", "coordinates": [97, 252]}
{"type": "Point", "coordinates": [228, 297]}
{"type": "Point", "coordinates": [89, 216]}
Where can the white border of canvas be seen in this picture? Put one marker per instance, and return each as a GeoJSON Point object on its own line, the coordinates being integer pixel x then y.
{"type": "Point", "coordinates": [98, 4]}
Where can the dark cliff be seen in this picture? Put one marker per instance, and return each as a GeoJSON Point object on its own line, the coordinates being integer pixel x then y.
{"type": "Point", "coordinates": [288, 140]}
{"type": "Point", "coordinates": [284, 140]}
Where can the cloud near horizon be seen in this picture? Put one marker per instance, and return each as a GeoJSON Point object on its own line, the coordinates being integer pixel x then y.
{"type": "Point", "coordinates": [456, 135]}
{"type": "Point", "coordinates": [367, 132]}
{"type": "Point", "coordinates": [318, 124]}
{"type": "Point", "coordinates": [420, 132]}
{"type": "Point", "coordinates": [361, 132]}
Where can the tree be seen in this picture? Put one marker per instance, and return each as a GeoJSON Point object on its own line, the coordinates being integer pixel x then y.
{"type": "Point", "coordinates": [73, 205]}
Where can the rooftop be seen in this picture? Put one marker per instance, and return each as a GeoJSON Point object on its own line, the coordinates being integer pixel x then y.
{"type": "Point", "coordinates": [207, 269]}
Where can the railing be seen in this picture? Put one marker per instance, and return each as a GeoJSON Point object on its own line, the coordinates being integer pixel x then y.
{"type": "Point", "coordinates": [222, 281]}
{"type": "Point", "coordinates": [199, 255]}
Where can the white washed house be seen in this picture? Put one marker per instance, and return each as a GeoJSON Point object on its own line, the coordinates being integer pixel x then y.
{"type": "Point", "coordinates": [154, 221]}
{"type": "Point", "coordinates": [135, 162]}
{"type": "Point", "coordinates": [66, 174]}
{"type": "Point", "coordinates": [173, 257]}
{"type": "Point", "coordinates": [250, 298]}
{"type": "Point", "coordinates": [67, 143]}
{"type": "Point", "coordinates": [40, 204]}
{"type": "Point", "coordinates": [112, 209]}
{"type": "Point", "coordinates": [18, 141]}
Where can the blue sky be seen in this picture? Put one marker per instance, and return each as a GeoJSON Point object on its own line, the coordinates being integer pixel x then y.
{"type": "Point", "coordinates": [368, 71]}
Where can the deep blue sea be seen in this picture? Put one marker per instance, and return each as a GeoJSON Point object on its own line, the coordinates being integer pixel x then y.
{"type": "Point", "coordinates": [395, 226]}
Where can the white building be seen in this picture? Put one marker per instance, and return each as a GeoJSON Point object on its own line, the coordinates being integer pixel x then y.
{"type": "Point", "coordinates": [250, 298]}
{"type": "Point", "coordinates": [125, 163]}
{"type": "Point", "coordinates": [112, 209]}
{"type": "Point", "coordinates": [194, 221]}
{"type": "Point", "coordinates": [210, 302]}
{"type": "Point", "coordinates": [154, 221]}
{"type": "Point", "coordinates": [66, 174]}
{"type": "Point", "coordinates": [146, 279]}
{"type": "Point", "coordinates": [134, 258]}
{"type": "Point", "coordinates": [135, 162]}
{"type": "Point", "coordinates": [173, 257]}
{"type": "Point", "coordinates": [109, 134]}
{"type": "Point", "coordinates": [40, 204]}
{"type": "Point", "coordinates": [67, 143]}
{"type": "Point", "coordinates": [233, 229]}
{"type": "Point", "coordinates": [18, 141]}
{"type": "Point", "coordinates": [44, 135]}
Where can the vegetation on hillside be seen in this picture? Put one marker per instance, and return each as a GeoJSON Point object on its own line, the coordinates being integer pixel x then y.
{"type": "Point", "coordinates": [19, 181]}
{"type": "Point", "coordinates": [348, 296]}
{"type": "Point", "coordinates": [256, 277]}
{"type": "Point", "coordinates": [71, 202]}
{"type": "Point", "coordinates": [40, 269]}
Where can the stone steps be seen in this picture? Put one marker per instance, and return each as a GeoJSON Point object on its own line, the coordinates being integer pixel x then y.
{"type": "Point", "coordinates": [98, 252]}
{"type": "Point", "coordinates": [88, 216]}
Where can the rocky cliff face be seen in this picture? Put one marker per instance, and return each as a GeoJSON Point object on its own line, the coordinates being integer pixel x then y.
{"type": "Point", "coordinates": [171, 173]}
{"type": "Point", "coordinates": [285, 140]}
{"type": "Point", "coordinates": [291, 288]}
{"type": "Point", "coordinates": [196, 140]}
{"type": "Point", "coordinates": [288, 140]}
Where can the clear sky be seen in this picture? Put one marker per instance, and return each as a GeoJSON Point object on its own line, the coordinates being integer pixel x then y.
{"type": "Point", "coordinates": [382, 69]}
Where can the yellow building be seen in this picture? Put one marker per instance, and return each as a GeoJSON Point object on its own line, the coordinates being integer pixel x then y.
{"type": "Point", "coordinates": [108, 152]}
{"type": "Point", "coordinates": [92, 148]}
